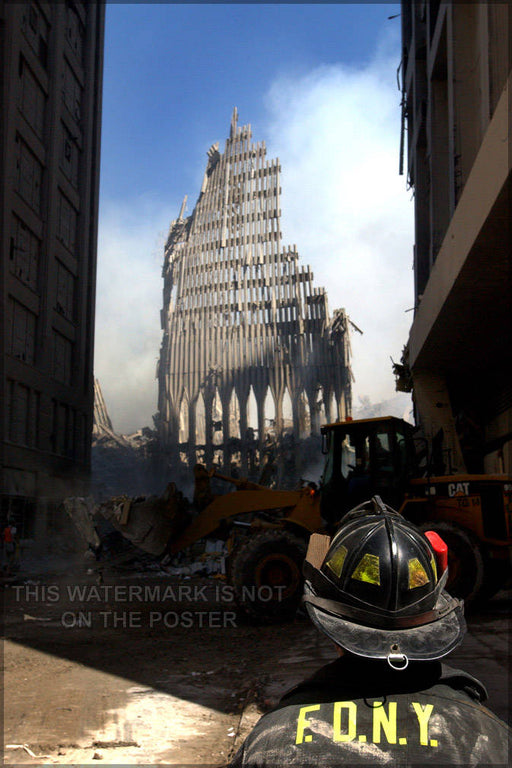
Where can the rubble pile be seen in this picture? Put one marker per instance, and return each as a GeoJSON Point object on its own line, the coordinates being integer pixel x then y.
{"type": "Point", "coordinates": [120, 464]}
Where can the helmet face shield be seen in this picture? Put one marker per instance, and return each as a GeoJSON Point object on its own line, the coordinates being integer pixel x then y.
{"type": "Point", "coordinates": [375, 589]}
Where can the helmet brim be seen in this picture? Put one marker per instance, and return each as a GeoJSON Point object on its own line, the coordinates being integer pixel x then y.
{"type": "Point", "coordinates": [423, 643]}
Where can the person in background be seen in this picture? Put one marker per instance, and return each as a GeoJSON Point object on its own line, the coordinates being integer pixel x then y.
{"type": "Point", "coordinates": [10, 546]}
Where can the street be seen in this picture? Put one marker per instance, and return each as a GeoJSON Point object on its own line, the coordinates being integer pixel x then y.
{"type": "Point", "coordinates": [145, 668]}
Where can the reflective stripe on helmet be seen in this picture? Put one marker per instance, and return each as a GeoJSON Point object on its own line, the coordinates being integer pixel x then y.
{"type": "Point", "coordinates": [368, 569]}
{"type": "Point", "coordinates": [417, 574]}
{"type": "Point", "coordinates": [335, 564]}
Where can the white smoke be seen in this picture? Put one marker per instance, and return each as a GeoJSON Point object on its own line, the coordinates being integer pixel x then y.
{"type": "Point", "coordinates": [128, 303]}
{"type": "Point", "coordinates": [337, 134]}
{"type": "Point", "coordinates": [336, 131]}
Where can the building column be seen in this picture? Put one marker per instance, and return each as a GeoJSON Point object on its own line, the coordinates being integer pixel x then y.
{"type": "Point", "coordinates": [433, 404]}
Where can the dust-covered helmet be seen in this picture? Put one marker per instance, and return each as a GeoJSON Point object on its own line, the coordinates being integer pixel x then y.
{"type": "Point", "coordinates": [377, 588]}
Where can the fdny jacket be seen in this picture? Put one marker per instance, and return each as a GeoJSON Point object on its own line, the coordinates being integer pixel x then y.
{"type": "Point", "coordinates": [356, 711]}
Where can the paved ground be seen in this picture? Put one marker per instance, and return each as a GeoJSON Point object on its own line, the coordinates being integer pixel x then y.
{"type": "Point", "coordinates": [128, 678]}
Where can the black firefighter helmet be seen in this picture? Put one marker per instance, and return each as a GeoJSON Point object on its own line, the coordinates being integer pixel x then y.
{"type": "Point", "coordinates": [376, 588]}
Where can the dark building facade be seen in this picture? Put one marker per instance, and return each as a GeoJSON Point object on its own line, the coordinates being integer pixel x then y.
{"type": "Point", "coordinates": [52, 61]}
{"type": "Point", "coordinates": [456, 81]}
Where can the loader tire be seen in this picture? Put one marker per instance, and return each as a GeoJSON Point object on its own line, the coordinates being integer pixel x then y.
{"type": "Point", "coordinates": [266, 575]}
{"type": "Point", "coordinates": [465, 561]}
{"type": "Point", "coordinates": [497, 576]}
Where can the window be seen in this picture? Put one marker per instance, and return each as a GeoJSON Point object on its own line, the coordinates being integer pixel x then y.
{"type": "Point", "coordinates": [21, 331]}
{"type": "Point", "coordinates": [18, 413]}
{"type": "Point", "coordinates": [64, 429]}
{"type": "Point", "coordinates": [24, 254]}
{"type": "Point", "coordinates": [23, 413]}
{"type": "Point", "coordinates": [29, 175]}
{"type": "Point", "coordinates": [348, 457]}
{"type": "Point", "coordinates": [69, 156]}
{"type": "Point", "coordinates": [74, 31]}
{"type": "Point", "coordinates": [62, 358]}
{"type": "Point", "coordinates": [64, 303]}
{"type": "Point", "coordinates": [66, 231]}
{"type": "Point", "coordinates": [32, 98]}
{"type": "Point", "coordinates": [383, 455]}
{"type": "Point", "coordinates": [71, 92]}
{"type": "Point", "coordinates": [36, 31]}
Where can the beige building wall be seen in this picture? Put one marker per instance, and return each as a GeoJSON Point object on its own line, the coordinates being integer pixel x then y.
{"type": "Point", "coordinates": [456, 75]}
{"type": "Point", "coordinates": [52, 58]}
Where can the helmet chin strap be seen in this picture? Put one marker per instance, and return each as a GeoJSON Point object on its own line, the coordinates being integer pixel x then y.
{"type": "Point", "coordinates": [396, 660]}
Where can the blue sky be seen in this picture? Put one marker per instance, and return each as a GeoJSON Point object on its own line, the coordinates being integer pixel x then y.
{"type": "Point", "coordinates": [318, 84]}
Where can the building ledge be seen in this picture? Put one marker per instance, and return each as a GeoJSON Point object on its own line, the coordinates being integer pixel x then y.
{"type": "Point", "coordinates": [467, 245]}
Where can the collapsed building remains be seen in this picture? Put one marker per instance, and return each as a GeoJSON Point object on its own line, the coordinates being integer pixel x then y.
{"type": "Point", "coordinates": [120, 463]}
{"type": "Point", "coordinates": [249, 356]}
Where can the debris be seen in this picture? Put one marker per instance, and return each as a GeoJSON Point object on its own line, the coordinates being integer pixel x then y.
{"type": "Point", "coordinates": [81, 511]}
{"type": "Point", "coordinates": [146, 522]}
{"type": "Point", "coordinates": [27, 750]}
{"type": "Point", "coordinates": [120, 461]}
{"type": "Point", "coordinates": [97, 756]}
{"type": "Point", "coordinates": [114, 744]}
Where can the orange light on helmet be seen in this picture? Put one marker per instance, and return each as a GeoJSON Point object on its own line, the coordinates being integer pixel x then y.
{"type": "Point", "coordinates": [440, 550]}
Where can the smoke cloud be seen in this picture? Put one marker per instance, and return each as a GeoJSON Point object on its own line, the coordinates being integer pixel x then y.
{"type": "Point", "coordinates": [337, 134]}
{"type": "Point", "coordinates": [336, 131]}
{"type": "Point", "coordinates": [128, 303]}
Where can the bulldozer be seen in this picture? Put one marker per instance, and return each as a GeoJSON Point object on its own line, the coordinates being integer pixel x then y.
{"type": "Point", "coordinates": [471, 512]}
{"type": "Point", "coordinates": [265, 532]}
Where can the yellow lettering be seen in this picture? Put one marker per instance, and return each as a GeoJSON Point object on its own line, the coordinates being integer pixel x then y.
{"type": "Point", "coordinates": [352, 718]}
{"type": "Point", "coordinates": [386, 722]}
{"type": "Point", "coordinates": [423, 715]}
{"type": "Point", "coordinates": [303, 723]}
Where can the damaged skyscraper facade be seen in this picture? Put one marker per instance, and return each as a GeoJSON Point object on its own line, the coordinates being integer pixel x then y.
{"type": "Point", "coordinates": [249, 356]}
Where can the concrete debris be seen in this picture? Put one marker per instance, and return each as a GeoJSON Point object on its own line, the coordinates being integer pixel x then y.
{"type": "Point", "coordinates": [121, 463]}
{"type": "Point", "coordinates": [81, 511]}
{"type": "Point", "coordinates": [26, 749]}
{"type": "Point", "coordinates": [139, 527]}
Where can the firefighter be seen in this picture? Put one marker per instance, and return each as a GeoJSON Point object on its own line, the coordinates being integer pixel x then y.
{"type": "Point", "coordinates": [377, 591]}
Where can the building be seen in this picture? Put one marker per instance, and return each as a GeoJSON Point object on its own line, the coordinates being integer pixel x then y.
{"type": "Point", "coordinates": [52, 59]}
{"type": "Point", "coordinates": [456, 81]}
{"type": "Point", "coordinates": [249, 355]}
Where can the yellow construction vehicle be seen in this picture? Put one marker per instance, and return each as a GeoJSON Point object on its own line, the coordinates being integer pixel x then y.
{"type": "Point", "coordinates": [472, 513]}
{"type": "Point", "coordinates": [267, 530]}
{"type": "Point", "coordinates": [264, 533]}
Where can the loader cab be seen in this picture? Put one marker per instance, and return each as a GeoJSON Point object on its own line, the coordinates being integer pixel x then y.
{"type": "Point", "coordinates": [365, 457]}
